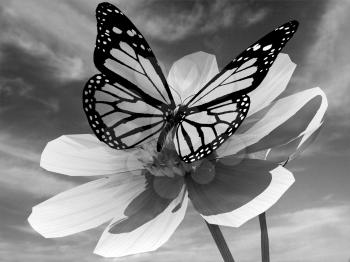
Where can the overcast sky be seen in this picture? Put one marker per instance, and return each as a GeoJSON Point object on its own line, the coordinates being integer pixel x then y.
{"type": "Point", "coordinates": [46, 52]}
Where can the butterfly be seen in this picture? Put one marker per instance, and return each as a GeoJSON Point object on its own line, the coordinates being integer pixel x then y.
{"type": "Point", "coordinates": [130, 101]}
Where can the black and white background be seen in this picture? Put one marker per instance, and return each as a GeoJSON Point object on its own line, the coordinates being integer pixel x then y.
{"type": "Point", "coordinates": [46, 50]}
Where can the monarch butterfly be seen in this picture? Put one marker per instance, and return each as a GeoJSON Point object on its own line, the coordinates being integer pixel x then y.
{"type": "Point", "coordinates": [131, 102]}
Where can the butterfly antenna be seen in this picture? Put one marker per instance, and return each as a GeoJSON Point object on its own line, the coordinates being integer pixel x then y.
{"type": "Point", "coordinates": [176, 93]}
{"type": "Point", "coordinates": [188, 97]}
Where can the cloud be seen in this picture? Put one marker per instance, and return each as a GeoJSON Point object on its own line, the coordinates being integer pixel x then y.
{"type": "Point", "coordinates": [17, 149]}
{"type": "Point", "coordinates": [313, 234]}
{"type": "Point", "coordinates": [31, 102]}
{"type": "Point", "coordinates": [37, 26]}
{"type": "Point", "coordinates": [195, 18]}
{"type": "Point", "coordinates": [23, 26]}
{"type": "Point", "coordinates": [173, 26]}
{"type": "Point", "coordinates": [29, 247]}
{"type": "Point", "coordinates": [62, 31]}
{"type": "Point", "coordinates": [35, 103]}
{"type": "Point", "coordinates": [328, 58]}
{"type": "Point", "coordinates": [255, 16]}
{"type": "Point", "coordinates": [326, 64]}
{"type": "Point", "coordinates": [20, 170]}
{"type": "Point", "coordinates": [17, 177]}
{"type": "Point", "coordinates": [308, 235]}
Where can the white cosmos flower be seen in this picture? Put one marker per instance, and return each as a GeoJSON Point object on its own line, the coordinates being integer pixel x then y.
{"type": "Point", "coordinates": [144, 194]}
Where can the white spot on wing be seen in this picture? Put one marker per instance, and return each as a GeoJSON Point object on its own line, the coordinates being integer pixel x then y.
{"type": "Point", "coordinates": [265, 48]}
{"type": "Point", "coordinates": [256, 47]}
{"type": "Point", "coordinates": [130, 32]}
{"type": "Point", "coordinates": [117, 30]}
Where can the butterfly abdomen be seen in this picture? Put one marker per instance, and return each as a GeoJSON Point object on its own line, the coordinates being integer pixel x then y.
{"type": "Point", "coordinates": [163, 135]}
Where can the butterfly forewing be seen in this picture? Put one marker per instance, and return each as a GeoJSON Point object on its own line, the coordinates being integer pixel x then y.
{"type": "Point", "coordinates": [119, 117]}
{"type": "Point", "coordinates": [196, 137]}
{"type": "Point", "coordinates": [247, 70]}
{"type": "Point", "coordinates": [122, 52]}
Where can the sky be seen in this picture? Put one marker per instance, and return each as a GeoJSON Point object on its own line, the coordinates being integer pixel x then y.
{"type": "Point", "coordinates": [46, 52]}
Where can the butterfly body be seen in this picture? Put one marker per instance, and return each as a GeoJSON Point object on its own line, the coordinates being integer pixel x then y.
{"type": "Point", "coordinates": [172, 121]}
{"type": "Point", "coordinates": [131, 101]}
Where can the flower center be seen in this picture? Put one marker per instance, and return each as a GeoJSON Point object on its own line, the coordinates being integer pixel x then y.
{"type": "Point", "coordinates": [167, 162]}
{"type": "Point", "coordinates": [168, 172]}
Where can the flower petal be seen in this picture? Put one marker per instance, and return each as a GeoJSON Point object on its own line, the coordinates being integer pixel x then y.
{"type": "Point", "coordinates": [273, 84]}
{"type": "Point", "coordinates": [158, 194]}
{"type": "Point", "coordinates": [85, 155]}
{"type": "Point", "coordinates": [239, 191]}
{"type": "Point", "coordinates": [294, 148]}
{"type": "Point", "coordinates": [192, 72]}
{"type": "Point", "coordinates": [281, 122]}
{"type": "Point", "coordinates": [149, 236]}
{"type": "Point", "coordinates": [87, 206]}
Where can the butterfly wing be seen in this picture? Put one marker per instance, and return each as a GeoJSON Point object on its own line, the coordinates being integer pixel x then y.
{"type": "Point", "coordinates": [122, 52]}
{"type": "Point", "coordinates": [215, 112]}
{"type": "Point", "coordinates": [131, 98]}
{"type": "Point", "coordinates": [119, 117]}
{"type": "Point", "coordinates": [202, 131]}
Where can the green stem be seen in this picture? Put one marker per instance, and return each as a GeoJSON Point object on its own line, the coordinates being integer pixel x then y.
{"type": "Point", "coordinates": [220, 242]}
{"type": "Point", "coordinates": [265, 253]}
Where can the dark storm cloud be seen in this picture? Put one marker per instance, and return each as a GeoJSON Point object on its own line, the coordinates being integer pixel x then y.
{"type": "Point", "coordinates": [46, 57]}
{"type": "Point", "coordinates": [35, 102]}
{"type": "Point", "coordinates": [37, 105]}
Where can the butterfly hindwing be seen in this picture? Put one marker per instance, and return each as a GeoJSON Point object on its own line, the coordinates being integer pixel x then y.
{"type": "Point", "coordinates": [118, 116]}
{"type": "Point", "coordinates": [201, 132]}
{"type": "Point", "coordinates": [123, 53]}
{"type": "Point", "coordinates": [228, 90]}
